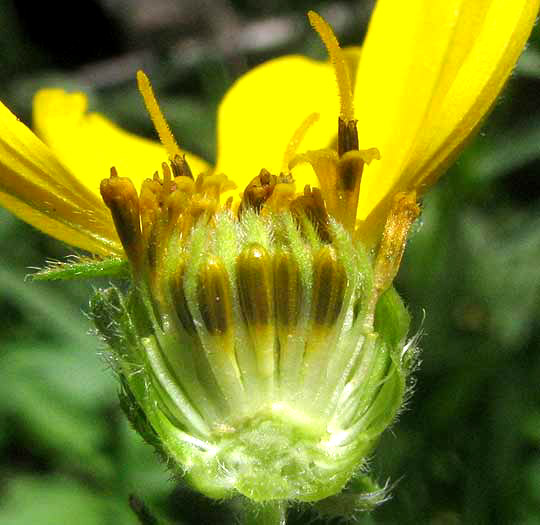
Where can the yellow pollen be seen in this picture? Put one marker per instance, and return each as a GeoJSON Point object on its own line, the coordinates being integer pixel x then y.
{"type": "Point", "coordinates": [338, 61]}
{"type": "Point", "coordinates": [296, 139]}
{"type": "Point", "coordinates": [160, 124]}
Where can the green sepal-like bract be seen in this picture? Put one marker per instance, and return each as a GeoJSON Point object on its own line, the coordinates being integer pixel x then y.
{"type": "Point", "coordinates": [360, 495]}
{"type": "Point", "coordinates": [83, 268]}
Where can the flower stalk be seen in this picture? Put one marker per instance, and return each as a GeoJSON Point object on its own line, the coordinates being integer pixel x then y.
{"type": "Point", "coordinates": [270, 513]}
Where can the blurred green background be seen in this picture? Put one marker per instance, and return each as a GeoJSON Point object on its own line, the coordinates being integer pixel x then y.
{"type": "Point", "coordinates": [466, 450]}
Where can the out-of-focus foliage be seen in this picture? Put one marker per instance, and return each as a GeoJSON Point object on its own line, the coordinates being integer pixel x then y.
{"type": "Point", "coordinates": [467, 448]}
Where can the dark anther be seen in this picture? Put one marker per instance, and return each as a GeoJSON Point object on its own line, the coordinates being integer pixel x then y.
{"type": "Point", "coordinates": [150, 210]}
{"type": "Point", "coordinates": [121, 198]}
{"type": "Point", "coordinates": [176, 284]}
{"type": "Point", "coordinates": [180, 167]}
{"type": "Point", "coordinates": [214, 297]}
{"type": "Point", "coordinates": [254, 278]}
{"type": "Point", "coordinates": [347, 136]}
{"type": "Point", "coordinates": [288, 291]}
{"type": "Point", "coordinates": [258, 191]}
{"type": "Point", "coordinates": [311, 206]}
{"type": "Point", "coordinates": [329, 284]}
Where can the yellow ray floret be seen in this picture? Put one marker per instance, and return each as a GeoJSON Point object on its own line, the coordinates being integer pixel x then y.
{"type": "Point", "coordinates": [53, 183]}
{"type": "Point", "coordinates": [418, 101]}
{"type": "Point", "coordinates": [37, 187]}
{"type": "Point", "coordinates": [88, 144]}
{"type": "Point", "coordinates": [262, 111]}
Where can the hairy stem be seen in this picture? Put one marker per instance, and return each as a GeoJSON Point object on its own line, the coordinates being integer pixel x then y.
{"type": "Point", "coordinates": [268, 513]}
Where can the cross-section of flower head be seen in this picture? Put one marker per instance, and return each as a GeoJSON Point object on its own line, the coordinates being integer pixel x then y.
{"type": "Point", "coordinates": [260, 343]}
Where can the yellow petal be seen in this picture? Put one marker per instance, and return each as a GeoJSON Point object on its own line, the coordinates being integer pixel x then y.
{"type": "Point", "coordinates": [66, 231]}
{"type": "Point", "coordinates": [477, 83]}
{"type": "Point", "coordinates": [39, 189]}
{"type": "Point", "coordinates": [89, 144]}
{"type": "Point", "coordinates": [429, 72]}
{"type": "Point", "coordinates": [263, 109]}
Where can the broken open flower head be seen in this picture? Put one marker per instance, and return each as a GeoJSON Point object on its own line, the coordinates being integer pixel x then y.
{"type": "Point", "coordinates": [261, 345]}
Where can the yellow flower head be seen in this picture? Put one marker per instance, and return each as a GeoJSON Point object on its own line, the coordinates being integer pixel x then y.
{"type": "Point", "coordinates": [262, 341]}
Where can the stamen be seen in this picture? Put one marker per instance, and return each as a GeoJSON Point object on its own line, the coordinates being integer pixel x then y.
{"type": "Point", "coordinates": [180, 167]}
{"type": "Point", "coordinates": [215, 299]}
{"type": "Point", "coordinates": [288, 293]}
{"type": "Point", "coordinates": [176, 284]}
{"type": "Point", "coordinates": [254, 278]}
{"type": "Point", "coordinates": [296, 139]}
{"type": "Point", "coordinates": [347, 136]}
{"type": "Point", "coordinates": [311, 206]}
{"type": "Point", "coordinates": [258, 191]}
{"type": "Point", "coordinates": [338, 61]}
{"type": "Point", "coordinates": [329, 283]}
{"type": "Point", "coordinates": [150, 211]}
{"type": "Point", "coordinates": [160, 124]}
{"type": "Point", "coordinates": [120, 196]}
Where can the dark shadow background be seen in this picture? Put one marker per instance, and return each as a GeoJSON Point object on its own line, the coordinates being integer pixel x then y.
{"type": "Point", "coordinates": [466, 450]}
